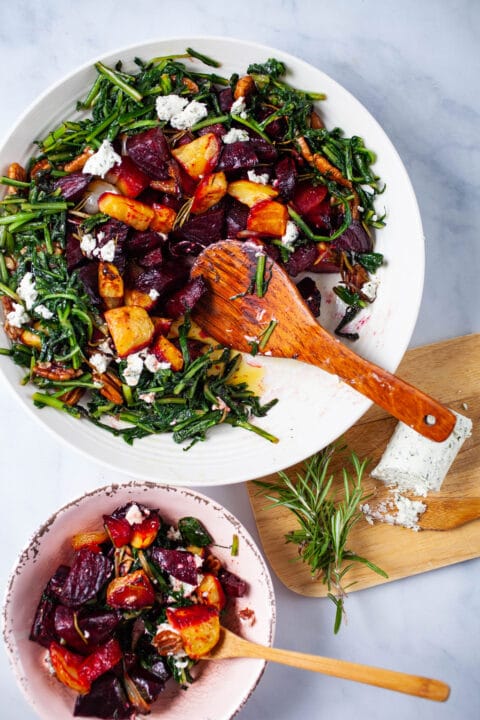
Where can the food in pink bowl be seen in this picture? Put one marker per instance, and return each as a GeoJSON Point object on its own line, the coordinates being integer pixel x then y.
{"type": "Point", "coordinates": [136, 599]}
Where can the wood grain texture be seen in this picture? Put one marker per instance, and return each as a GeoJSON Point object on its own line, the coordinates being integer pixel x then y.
{"type": "Point", "coordinates": [233, 314]}
{"type": "Point", "coordinates": [233, 646]}
{"type": "Point", "coordinates": [451, 371]}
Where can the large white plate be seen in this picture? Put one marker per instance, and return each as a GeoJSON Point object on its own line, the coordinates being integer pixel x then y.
{"type": "Point", "coordinates": [314, 408]}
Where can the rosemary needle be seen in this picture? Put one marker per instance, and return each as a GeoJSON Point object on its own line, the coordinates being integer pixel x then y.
{"type": "Point", "coordinates": [324, 522]}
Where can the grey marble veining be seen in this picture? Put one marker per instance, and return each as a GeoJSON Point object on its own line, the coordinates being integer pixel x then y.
{"type": "Point", "coordinates": [415, 66]}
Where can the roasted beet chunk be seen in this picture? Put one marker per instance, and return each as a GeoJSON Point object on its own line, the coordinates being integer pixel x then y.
{"type": "Point", "coordinates": [232, 584]}
{"type": "Point", "coordinates": [154, 258]}
{"type": "Point", "coordinates": [43, 627]}
{"type": "Point", "coordinates": [301, 259]}
{"type": "Point", "coordinates": [179, 563]}
{"type": "Point", "coordinates": [285, 177]}
{"type": "Point", "coordinates": [265, 151]}
{"type": "Point", "coordinates": [185, 298]}
{"type": "Point", "coordinates": [237, 156]}
{"type": "Point", "coordinates": [73, 186]}
{"type": "Point", "coordinates": [165, 279]}
{"type": "Point", "coordinates": [150, 685]}
{"type": "Point", "coordinates": [96, 627]}
{"type": "Point", "coordinates": [88, 573]}
{"type": "Point", "coordinates": [235, 217]}
{"type": "Point", "coordinates": [140, 243]}
{"type": "Point", "coordinates": [203, 229]}
{"type": "Point", "coordinates": [149, 150]}
{"type": "Point", "coordinates": [355, 238]}
{"type": "Point", "coordinates": [73, 252]}
{"type": "Point", "coordinates": [88, 274]}
{"type": "Point", "coordinates": [217, 129]}
{"type": "Point", "coordinates": [106, 699]}
{"type": "Point", "coordinates": [311, 294]}
{"type": "Point", "coordinates": [225, 99]}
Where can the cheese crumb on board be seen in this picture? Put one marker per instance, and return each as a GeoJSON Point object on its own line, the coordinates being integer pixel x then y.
{"type": "Point", "coordinates": [413, 463]}
{"type": "Point", "coordinates": [400, 510]}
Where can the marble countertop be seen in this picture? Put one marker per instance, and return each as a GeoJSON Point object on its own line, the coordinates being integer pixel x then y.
{"type": "Point", "coordinates": [415, 66]}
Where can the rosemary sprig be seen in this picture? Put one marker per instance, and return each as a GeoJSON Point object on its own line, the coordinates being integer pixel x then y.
{"type": "Point", "coordinates": [324, 520]}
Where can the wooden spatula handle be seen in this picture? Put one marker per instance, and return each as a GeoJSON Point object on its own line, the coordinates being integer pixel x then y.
{"type": "Point", "coordinates": [405, 402]}
{"type": "Point", "coordinates": [392, 680]}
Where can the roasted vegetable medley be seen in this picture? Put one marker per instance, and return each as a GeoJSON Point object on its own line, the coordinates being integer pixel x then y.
{"type": "Point", "coordinates": [139, 604]}
{"type": "Point", "coordinates": [100, 229]}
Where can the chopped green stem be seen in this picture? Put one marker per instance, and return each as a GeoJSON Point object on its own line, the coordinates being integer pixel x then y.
{"type": "Point", "coordinates": [204, 58]}
{"type": "Point", "coordinates": [42, 399]}
{"type": "Point", "coordinates": [259, 275]}
{"type": "Point", "coordinates": [267, 333]}
{"type": "Point", "coordinates": [116, 79]}
{"type": "Point", "coordinates": [13, 183]}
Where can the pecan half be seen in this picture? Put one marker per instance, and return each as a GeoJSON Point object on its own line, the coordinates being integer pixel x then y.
{"type": "Point", "coordinates": [212, 564]}
{"type": "Point", "coordinates": [111, 387]}
{"type": "Point", "coordinates": [15, 172]}
{"type": "Point", "coordinates": [13, 333]}
{"type": "Point", "coordinates": [40, 168]}
{"type": "Point", "coordinates": [71, 397]}
{"type": "Point", "coordinates": [167, 642]}
{"type": "Point", "coordinates": [245, 87]}
{"type": "Point", "coordinates": [55, 371]}
{"type": "Point", "coordinates": [78, 162]}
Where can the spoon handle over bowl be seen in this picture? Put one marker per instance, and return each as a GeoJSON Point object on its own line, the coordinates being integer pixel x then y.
{"type": "Point", "coordinates": [404, 401]}
{"type": "Point", "coordinates": [231, 645]}
{"type": "Point", "coordinates": [234, 314]}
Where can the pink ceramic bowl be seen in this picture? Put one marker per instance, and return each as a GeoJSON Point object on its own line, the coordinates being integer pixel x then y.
{"type": "Point", "coordinates": [222, 687]}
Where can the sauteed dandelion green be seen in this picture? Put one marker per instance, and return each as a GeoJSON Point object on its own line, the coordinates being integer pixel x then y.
{"type": "Point", "coordinates": [99, 231]}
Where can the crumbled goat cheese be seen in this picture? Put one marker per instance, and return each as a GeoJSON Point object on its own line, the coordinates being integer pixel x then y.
{"type": "Point", "coordinates": [414, 463]}
{"type": "Point", "coordinates": [370, 289]}
{"type": "Point", "coordinates": [239, 108]}
{"type": "Point", "coordinates": [221, 405]}
{"type": "Point", "coordinates": [18, 316]}
{"type": "Point", "coordinates": [235, 135]}
{"type": "Point", "coordinates": [88, 244]}
{"type": "Point", "coordinates": [399, 510]}
{"type": "Point", "coordinates": [291, 234]}
{"type": "Point", "coordinates": [105, 347]}
{"type": "Point", "coordinates": [100, 362]}
{"type": "Point", "coordinates": [193, 113]}
{"type": "Point", "coordinates": [134, 515]}
{"type": "Point", "coordinates": [133, 370]}
{"type": "Point", "coordinates": [179, 586]}
{"type": "Point", "coordinates": [153, 294]}
{"type": "Point", "coordinates": [27, 290]}
{"type": "Point", "coordinates": [168, 106]}
{"type": "Point", "coordinates": [43, 311]}
{"type": "Point", "coordinates": [173, 533]}
{"type": "Point", "coordinates": [148, 398]}
{"type": "Point", "coordinates": [107, 252]}
{"type": "Point", "coordinates": [261, 179]}
{"type": "Point", "coordinates": [153, 365]}
{"type": "Point", "coordinates": [103, 160]}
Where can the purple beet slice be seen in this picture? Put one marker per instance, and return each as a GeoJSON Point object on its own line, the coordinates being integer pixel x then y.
{"type": "Point", "coordinates": [106, 699]}
{"type": "Point", "coordinates": [237, 156]}
{"type": "Point", "coordinates": [301, 259]}
{"type": "Point", "coordinates": [150, 685]}
{"type": "Point", "coordinates": [89, 572]}
{"type": "Point", "coordinates": [43, 626]}
{"type": "Point", "coordinates": [154, 258]}
{"type": "Point", "coordinates": [235, 217]}
{"type": "Point", "coordinates": [355, 239]}
{"type": "Point", "coordinates": [88, 275]}
{"type": "Point", "coordinates": [165, 279]}
{"type": "Point", "coordinates": [73, 186]}
{"type": "Point", "coordinates": [150, 152]}
{"type": "Point", "coordinates": [265, 151]}
{"type": "Point", "coordinates": [96, 626]}
{"type": "Point", "coordinates": [311, 294]}
{"type": "Point", "coordinates": [73, 253]}
{"type": "Point", "coordinates": [185, 298]}
{"type": "Point", "coordinates": [140, 243]}
{"type": "Point", "coordinates": [232, 584]}
{"type": "Point", "coordinates": [179, 563]}
{"type": "Point", "coordinates": [285, 177]}
{"type": "Point", "coordinates": [203, 229]}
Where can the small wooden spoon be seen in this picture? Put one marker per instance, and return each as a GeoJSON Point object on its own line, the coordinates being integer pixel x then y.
{"type": "Point", "coordinates": [233, 315]}
{"type": "Point", "coordinates": [442, 513]}
{"type": "Point", "coordinates": [233, 646]}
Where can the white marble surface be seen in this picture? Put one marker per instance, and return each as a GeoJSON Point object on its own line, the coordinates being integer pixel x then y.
{"type": "Point", "coordinates": [415, 66]}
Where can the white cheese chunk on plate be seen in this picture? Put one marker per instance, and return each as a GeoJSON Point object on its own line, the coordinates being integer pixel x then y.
{"type": "Point", "coordinates": [413, 463]}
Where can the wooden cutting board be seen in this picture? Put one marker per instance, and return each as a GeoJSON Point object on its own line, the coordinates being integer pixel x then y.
{"type": "Point", "coordinates": [450, 372]}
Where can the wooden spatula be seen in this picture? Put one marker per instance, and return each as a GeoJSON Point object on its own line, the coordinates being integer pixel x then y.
{"type": "Point", "coordinates": [231, 646]}
{"type": "Point", "coordinates": [235, 316]}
